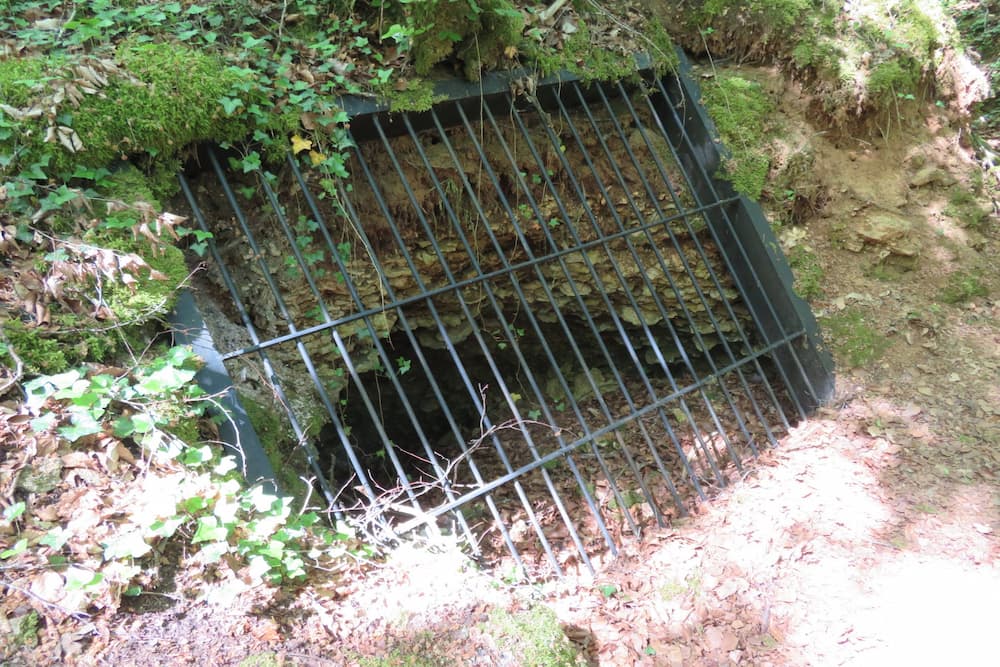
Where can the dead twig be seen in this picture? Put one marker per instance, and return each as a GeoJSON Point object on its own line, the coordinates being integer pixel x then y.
{"type": "Point", "coordinates": [78, 615]}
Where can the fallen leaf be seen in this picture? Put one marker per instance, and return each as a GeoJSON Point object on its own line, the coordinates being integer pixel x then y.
{"type": "Point", "coordinates": [720, 639]}
{"type": "Point", "coordinates": [299, 144]}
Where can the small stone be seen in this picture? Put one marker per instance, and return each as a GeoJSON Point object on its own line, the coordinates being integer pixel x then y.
{"type": "Point", "coordinates": [931, 174]}
{"type": "Point", "coordinates": [883, 228]}
{"type": "Point", "coordinates": [41, 476]}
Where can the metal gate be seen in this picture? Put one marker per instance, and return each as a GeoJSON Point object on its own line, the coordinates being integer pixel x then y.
{"type": "Point", "coordinates": [534, 318]}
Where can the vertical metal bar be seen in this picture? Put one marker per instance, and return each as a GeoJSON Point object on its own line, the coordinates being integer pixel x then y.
{"type": "Point", "coordinates": [501, 255]}
{"type": "Point", "coordinates": [566, 329]}
{"type": "Point", "coordinates": [498, 375]}
{"type": "Point", "coordinates": [665, 316]}
{"type": "Point", "coordinates": [248, 324]}
{"type": "Point", "coordinates": [758, 322]}
{"type": "Point", "coordinates": [701, 250]}
{"type": "Point", "coordinates": [661, 261]}
{"type": "Point", "coordinates": [384, 357]}
{"type": "Point", "coordinates": [276, 292]}
{"type": "Point", "coordinates": [472, 390]}
{"type": "Point", "coordinates": [595, 276]}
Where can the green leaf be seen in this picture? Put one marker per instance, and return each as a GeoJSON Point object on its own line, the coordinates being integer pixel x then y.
{"type": "Point", "coordinates": [56, 537]}
{"type": "Point", "coordinates": [143, 423]}
{"type": "Point", "coordinates": [214, 551]}
{"type": "Point", "coordinates": [165, 380]}
{"type": "Point", "coordinates": [128, 545]}
{"type": "Point", "coordinates": [274, 549]}
{"type": "Point", "coordinates": [132, 591]}
{"type": "Point", "coordinates": [251, 162]}
{"type": "Point", "coordinates": [230, 104]}
{"type": "Point", "coordinates": [209, 530]}
{"type": "Point", "coordinates": [13, 511]}
{"type": "Point", "coordinates": [78, 578]}
{"type": "Point", "coordinates": [195, 504]}
{"type": "Point", "coordinates": [225, 466]}
{"type": "Point", "coordinates": [19, 548]}
{"type": "Point", "coordinates": [43, 423]}
{"type": "Point", "coordinates": [165, 527]}
{"type": "Point", "coordinates": [194, 456]}
{"type": "Point", "coordinates": [83, 424]}
{"type": "Point", "coordinates": [123, 427]}
{"type": "Point", "coordinates": [607, 590]}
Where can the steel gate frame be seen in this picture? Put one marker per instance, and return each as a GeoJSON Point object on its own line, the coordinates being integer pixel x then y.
{"type": "Point", "coordinates": [783, 327]}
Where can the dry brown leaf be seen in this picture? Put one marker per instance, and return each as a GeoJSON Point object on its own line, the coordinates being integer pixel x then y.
{"type": "Point", "coordinates": [721, 639]}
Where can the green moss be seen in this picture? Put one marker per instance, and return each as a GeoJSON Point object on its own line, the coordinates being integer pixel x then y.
{"type": "Point", "coordinates": [418, 96]}
{"type": "Point", "coordinates": [477, 32]}
{"type": "Point", "coordinates": [579, 57]}
{"type": "Point", "coordinates": [500, 26]}
{"type": "Point", "coordinates": [23, 630]}
{"type": "Point", "coordinates": [171, 101]}
{"type": "Point", "coordinates": [855, 342]}
{"type": "Point", "coordinates": [820, 53]}
{"type": "Point", "coordinates": [19, 77]}
{"type": "Point", "coordinates": [964, 207]}
{"type": "Point", "coordinates": [41, 355]}
{"type": "Point", "coordinates": [741, 111]}
{"type": "Point", "coordinates": [661, 48]}
{"type": "Point", "coordinates": [278, 440]}
{"type": "Point", "coordinates": [893, 79]}
{"type": "Point", "coordinates": [176, 104]}
{"type": "Point", "coordinates": [808, 272]}
{"type": "Point", "coordinates": [420, 649]}
{"type": "Point", "coordinates": [534, 637]}
{"type": "Point", "coordinates": [778, 15]}
{"type": "Point", "coordinates": [963, 287]}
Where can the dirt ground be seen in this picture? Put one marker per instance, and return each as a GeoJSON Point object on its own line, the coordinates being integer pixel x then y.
{"type": "Point", "coordinates": [869, 537]}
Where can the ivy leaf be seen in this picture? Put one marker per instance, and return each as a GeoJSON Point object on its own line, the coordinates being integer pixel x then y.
{"type": "Point", "coordinates": [143, 423]}
{"type": "Point", "coordinates": [43, 423]}
{"type": "Point", "coordinates": [165, 380]}
{"type": "Point", "coordinates": [165, 527]}
{"type": "Point", "coordinates": [13, 511]}
{"type": "Point", "coordinates": [84, 424]}
{"type": "Point", "coordinates": [77, 578]}
{"type": "Point", "coordinates": [56, 537]}
{"type": "Point", "coordinates": [16, 550]}
{"type": "Point", "coordinates": [123, 427]}
{"type": "Point", "coordinates": [128, 545]}
{"type": "Point", "coordinates": [230, 104]}
{"type": "Point", "coordinates": [209, 530]}
{"type": "Point", "coordinates": [214, 551]}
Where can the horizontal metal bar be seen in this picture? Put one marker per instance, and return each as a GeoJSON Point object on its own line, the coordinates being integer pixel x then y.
{"type": "Point", "coordinates": [468, 282]}
{"type": "Point", "coordinates": [595, 435]}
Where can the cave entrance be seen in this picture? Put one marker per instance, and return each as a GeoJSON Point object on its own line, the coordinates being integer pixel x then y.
{"type": "Point", "coordinates": [537, 319]}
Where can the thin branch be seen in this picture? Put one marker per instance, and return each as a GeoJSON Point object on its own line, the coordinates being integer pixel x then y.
{"type": "Point", "coordinates": [78, 615]}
